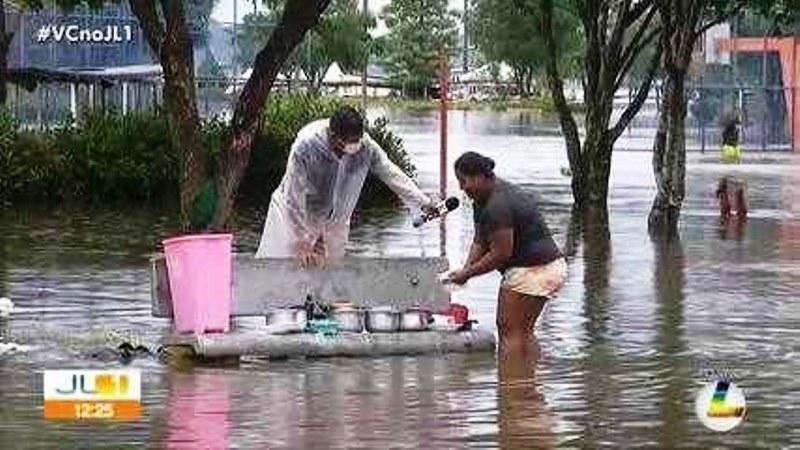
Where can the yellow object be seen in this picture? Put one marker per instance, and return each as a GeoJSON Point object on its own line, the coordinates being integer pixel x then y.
{"type": "Point", "coordinates": [731, 153]}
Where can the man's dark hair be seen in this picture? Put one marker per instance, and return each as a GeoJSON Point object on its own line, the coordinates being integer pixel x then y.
{"type": "Point", "coordinates": [472, 164]}
{"type": "Point", "coordinates": [347, 122]}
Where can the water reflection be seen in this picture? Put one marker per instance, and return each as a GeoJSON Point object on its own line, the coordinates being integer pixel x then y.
{"type": "Point", "coordinates": [400, 402]}
{"type": "Point", "coordinates": [617, 343]}
{"type": "Point", "coordinates": [525, 420]}
{"type": "Point", "coordinates": [732, 228]}
{"type": "Point", "coordinates": [592, 225]}
{"type": "Point", "coordinates": [4, 258]}
{"type": "Point", "coordinates": [669, 282]}
{"type": "Point", "coordinates": [198, 408]}
{"type": "Point", "coordinates": [601, 390]}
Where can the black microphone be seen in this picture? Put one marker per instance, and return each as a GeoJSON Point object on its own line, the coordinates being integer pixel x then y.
{"type": "Point", "coordinates": [440, 210]}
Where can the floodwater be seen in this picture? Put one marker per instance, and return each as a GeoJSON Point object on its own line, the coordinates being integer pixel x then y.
{"type": "Point", "coordinates": [623, 349]}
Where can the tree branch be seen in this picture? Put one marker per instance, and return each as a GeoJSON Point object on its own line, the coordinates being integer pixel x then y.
{"type": "Point", "coordinates": [633, 54]}
{"type": "Point", "coordinates": [641, 95]}
{"type": "Point", "coordinates": [556, 84]}
{"type": "Point", "coordinates": [619, 29]}
{"type": "Point", "coordinates": [637, 11]}
{"type": "Point", "coordinates": [146, 13]}
{"type": "Point", "coordinates": [720, 18]}
{"type": "Point", "coordinates": [583, 12]}
{"type": "Point", "coordinates": [636, 45]}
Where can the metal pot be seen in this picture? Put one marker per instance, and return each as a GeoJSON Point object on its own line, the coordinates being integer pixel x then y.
{"type": "Point", "coordinates": [349, 319]}
{"type": "Point", "coordinates": [383, 320]}
{"type": "Point", "coordinates": [415, 320]}
{"type": "Point", "coordinates": [288, 317]}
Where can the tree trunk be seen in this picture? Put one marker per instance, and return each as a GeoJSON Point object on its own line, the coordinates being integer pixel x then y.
{"type": "Point", "coordinates": [518, 81]}
{"type": "Point", "coordinates": [177, 61]}
{"type": "Point", "coordinates": [529, 81]}
{"type": "Point", "coordinates": [669, 157]}
{"type": "Point", "coordinates": [681, 22]}
{"type": "Point", "coordinates": [592, 170]}
{"type": "Point", "coordinates": [172, 44]}
{"type": "Point", "coordinates": [5, 42]}
{"type": "Point", "coordinates": [611, 50]}
{"type": "Point", "coordinates": [298, 17]}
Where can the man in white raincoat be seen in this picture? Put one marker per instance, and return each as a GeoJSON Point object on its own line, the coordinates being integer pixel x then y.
{"type": "Point", "coordinates": [309, 214]}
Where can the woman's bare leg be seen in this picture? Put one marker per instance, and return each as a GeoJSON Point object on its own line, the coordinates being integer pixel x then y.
{"type": "Point", "coordinates": [516, 316]}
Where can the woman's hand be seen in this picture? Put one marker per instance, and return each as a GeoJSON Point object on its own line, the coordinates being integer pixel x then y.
{"type": "Point", "coordinates": [459, 276]}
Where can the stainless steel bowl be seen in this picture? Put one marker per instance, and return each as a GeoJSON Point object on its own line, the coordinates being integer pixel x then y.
{"type": "Point", "coordinates": [415, 320]}
{"type": "Point", "coordinates": [382, 320]}
{"type": "Point", "coordinates": [349, 319]}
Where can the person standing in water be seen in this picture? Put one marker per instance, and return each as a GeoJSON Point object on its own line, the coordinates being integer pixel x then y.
{"type": "Point", "coordinates": [310, 211]}
{"type": "Point", "coordinates": [731, 191]}
{"type": "Point", "coordinates": [511, 236]}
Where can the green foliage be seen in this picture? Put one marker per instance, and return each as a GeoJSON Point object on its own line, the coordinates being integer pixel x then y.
{"type": "Point", "coordinates": [108, 158]}
{"type": "Point", "coordinates": [8, 128]}
{"type": "Point", "coordinates": [417, 32]}
{"type": "Point", "coordinates": [507, 31]}
{"type": "Point", "coordinates": [340, 36]}
{"type": "Point", "coordinates": [375, 193]}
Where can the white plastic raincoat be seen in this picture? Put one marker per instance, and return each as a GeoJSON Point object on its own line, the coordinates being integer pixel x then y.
{"type": "Point", "coordinates": [319, 192]}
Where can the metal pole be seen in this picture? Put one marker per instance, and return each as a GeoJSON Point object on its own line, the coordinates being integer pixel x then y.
{"type": "Point", "coordinates": [766, 94]}
{"type": "Point", "coordinates": [793, 90]}
{"type": "Point", "coordinates": [466, 37]}
{"type": "Point", "coordinates": [234, 64]}
{"type": "Point", "coordinates": [701, 92]}
{"type": "Point", "coordinates": [444, 79]}
{"type": "Point", "coordinates": [365, 12]}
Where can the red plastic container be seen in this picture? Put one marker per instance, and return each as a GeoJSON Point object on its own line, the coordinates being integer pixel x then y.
{"type": "Point", "coordinates": [459, 313]}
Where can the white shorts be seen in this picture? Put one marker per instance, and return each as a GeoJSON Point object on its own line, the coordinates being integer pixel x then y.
{"type": "Point", "coordinates": [538, 281]}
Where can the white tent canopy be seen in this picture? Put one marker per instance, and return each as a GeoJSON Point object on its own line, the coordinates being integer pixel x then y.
{"type": "Point", "coordinates": [484, 74]}
{"type": "Point", "coordinates": [335, 75]}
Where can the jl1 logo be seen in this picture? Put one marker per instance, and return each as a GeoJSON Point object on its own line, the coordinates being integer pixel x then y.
{"type": "Point", "coordinates": [92, 394]}
{"type": "Point", "coordinates": [720, 405]}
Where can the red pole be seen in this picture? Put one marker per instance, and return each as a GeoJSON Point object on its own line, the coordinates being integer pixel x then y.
{"type": "Point", "coordinates": [444, 84]}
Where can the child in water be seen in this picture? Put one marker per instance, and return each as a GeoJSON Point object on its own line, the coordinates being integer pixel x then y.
{"type": "Point", "coordinates": [731, 191]}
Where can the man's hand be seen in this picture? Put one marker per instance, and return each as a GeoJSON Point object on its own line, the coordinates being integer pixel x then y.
{"type": "Point", "coordinates": [313, 255]}
{"type": "Point", "coordinates": [429, 208]}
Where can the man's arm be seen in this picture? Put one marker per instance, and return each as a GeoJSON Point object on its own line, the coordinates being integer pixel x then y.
{"type": "Point", "coordinates": [297, 188]}
{"type": "Point", "coordinates": [393, 176]}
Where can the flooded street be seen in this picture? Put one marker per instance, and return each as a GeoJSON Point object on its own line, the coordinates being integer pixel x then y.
{"type": "Point", "coordinates": [623, 348]}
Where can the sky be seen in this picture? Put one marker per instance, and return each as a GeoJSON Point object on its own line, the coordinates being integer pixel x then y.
{"type": "Point", "coordinates": [224, 10]}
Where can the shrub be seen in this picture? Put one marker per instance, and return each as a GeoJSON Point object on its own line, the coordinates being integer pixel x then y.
{"type": "Point", "coordinates": [108, 158]}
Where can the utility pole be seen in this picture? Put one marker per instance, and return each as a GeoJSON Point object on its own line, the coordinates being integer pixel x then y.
{"type": "Point", "coordinates": [444, 86]}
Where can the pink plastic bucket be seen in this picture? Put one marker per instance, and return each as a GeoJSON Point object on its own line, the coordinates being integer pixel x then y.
{"type": "Point", "coordinates": [199, 268]}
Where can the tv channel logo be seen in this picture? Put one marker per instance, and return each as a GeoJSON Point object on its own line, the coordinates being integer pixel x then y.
{"type": "Point", "coordinates": [720, 405]}
{"type": "Point", "coordinates": [92, 394]}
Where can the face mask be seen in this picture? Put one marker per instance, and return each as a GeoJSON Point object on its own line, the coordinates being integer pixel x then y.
{"type": "Point", "coordinates": [352, 149]}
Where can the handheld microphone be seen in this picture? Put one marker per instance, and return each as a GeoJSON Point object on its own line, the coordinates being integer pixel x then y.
{"type": "Point", "coordinates": [441, 209]}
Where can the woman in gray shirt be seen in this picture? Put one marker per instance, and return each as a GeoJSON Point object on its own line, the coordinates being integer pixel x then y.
{"type": "Point", "coordinates": [512, 237]}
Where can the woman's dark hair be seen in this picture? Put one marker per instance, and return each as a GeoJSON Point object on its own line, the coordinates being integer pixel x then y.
{"type": "Point", "coordinates": [347, 122]}
{"type": "Point", "coordinates": [472, 164]}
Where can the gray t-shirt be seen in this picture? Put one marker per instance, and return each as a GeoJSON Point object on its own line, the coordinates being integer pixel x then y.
{"type": "Point", "coordinates": [510, 207]}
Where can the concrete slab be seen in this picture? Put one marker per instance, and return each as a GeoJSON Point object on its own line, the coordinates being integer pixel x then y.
{"type": "Point", "coordinates": [260, 285]}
